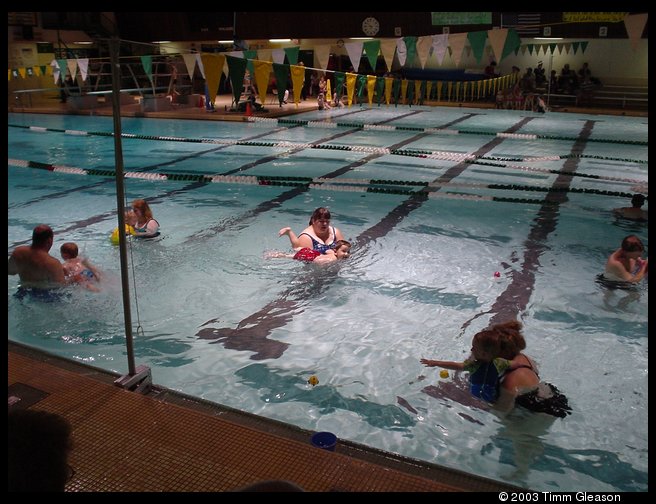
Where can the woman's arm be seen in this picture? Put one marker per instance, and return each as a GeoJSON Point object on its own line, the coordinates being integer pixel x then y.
{"type": "Point", "coordinates": [456, 366]}
{"type": "Point", "coordinates": [297, 242]}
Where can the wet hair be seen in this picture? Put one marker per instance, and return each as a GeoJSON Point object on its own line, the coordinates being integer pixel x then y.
{"type": "Point", "coordinates": [70, 249]}
{"type": "Point", "coordinates": [502, 340]}
{"type": "Point", "coordinates": [320, 213]}
{"type": "Point", "coordinates": [143, 207]}
{"type": "Point", "coordinates": [638, 200]}
{"type": "Point", "coordinates": [632, 244]}
{"type": "Point", "coordinates": [41, 234]}
{"type": "Point", "coordinates": [341, 243]}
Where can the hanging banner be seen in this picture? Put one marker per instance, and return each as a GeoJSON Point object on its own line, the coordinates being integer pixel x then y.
{"type": "Point", "coordinates": [593, 17]}
{"type": "Point", "coordinates": [460, 18]}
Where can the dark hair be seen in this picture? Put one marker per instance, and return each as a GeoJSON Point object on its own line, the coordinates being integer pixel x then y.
{"type": "Point", "coordinates": [638, 200]}
{"type": "Point", "coordinates": [320, 213]}
{"type": "Point", "coordinates": [341, 243]}
{"type": "Point", "coordinates": [632, 244]}
{"type": "Point", "coordinates": [41, 234]}
{"type": "Point", "coordinates": [37, 452]}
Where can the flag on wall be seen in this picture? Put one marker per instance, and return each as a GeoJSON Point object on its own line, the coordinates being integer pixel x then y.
{"type": "Point", "coordinates": [526, 23]}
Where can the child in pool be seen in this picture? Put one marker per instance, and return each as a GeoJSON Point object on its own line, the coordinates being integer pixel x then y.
{"type": "Point", "coordinates": [78, 270]}
{"type": "Point", "coordinates": [342, 250]}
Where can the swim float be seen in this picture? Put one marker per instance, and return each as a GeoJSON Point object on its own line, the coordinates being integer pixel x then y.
{"type": "Point", "coordinates": [129, 230]}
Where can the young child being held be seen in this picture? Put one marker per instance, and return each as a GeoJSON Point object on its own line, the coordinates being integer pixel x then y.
{"type": "Point", "coordinates": [78, 270]}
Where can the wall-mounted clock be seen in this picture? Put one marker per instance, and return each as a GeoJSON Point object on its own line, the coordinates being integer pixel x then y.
{"type": "Point", "coordinates": [370, 26]}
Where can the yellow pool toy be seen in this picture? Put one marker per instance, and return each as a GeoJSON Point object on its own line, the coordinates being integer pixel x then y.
{"type": "Point", "coordinates": [313, 380]}
{"type": "Point", "coordinates": [128, 230]}
{"type": "Point", "coordinates": [444, 373]}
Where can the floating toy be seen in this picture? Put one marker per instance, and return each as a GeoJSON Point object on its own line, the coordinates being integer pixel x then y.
{"type": "Point", "coordinates": [313, 380]}
{"type": "Point", "coordinates": [444, 373]}
{"type": "Point", "coordinates": [129, 230]}
{"type": "Point", "coordinates": [497, 274]}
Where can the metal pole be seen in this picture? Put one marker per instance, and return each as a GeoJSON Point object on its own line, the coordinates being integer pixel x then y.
{"type": "Point", "coordinates": [120, 198]}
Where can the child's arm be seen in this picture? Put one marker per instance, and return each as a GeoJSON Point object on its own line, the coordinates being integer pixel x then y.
{"type": "Point", "coordinates": [293, 239]}
{"type": "Point", "coordinates": [456, 366]}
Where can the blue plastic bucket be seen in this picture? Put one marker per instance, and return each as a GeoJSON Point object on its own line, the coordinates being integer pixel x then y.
{"type": "Point", "coordinates": [324, 440]}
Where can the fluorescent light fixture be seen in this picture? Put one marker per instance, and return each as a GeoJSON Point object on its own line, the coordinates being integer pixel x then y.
{"type": "Point", "coordinates": [161, 41]}
{"type": "Point", "coordinates": [280, 40]}
{"type": "Point", "coordinates": [361, 38]}
{"type": "Point", "coordinates": [548, 38]}
{"type": "Point", "coordinates": [226, 41]}
{"type": "Point", "coordinates": [83, 43]}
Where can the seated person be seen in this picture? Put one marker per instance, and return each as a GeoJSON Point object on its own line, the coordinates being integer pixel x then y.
{"type": "Point", "coordinates": [78, 270]}
{"type": "Point", "coordinates": [342, 250]}
{"type": "Point", "coordinates": [626, 263]}
{"type": "Point", "coordinates": [635, 211]}
{"type": "Point", "coordinates": [323, 105]}
{"type": "Point", "coordinates": [337, 102]}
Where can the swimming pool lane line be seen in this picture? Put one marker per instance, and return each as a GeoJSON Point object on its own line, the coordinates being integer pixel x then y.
{"type": "Point", "coordinates": [514, 298]}
{"type": "Point", "coordinates": [252, 332]}
{"type": "Point", "coordinates": [99, 218]}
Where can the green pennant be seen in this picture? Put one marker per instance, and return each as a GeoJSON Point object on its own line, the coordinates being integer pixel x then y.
{"type": "Point", "coordinates": [584, 45]}
{"type": "Point", "coordinates": [236, 69]}
{"type": "Point", "coordinates": [292, 54]}
{"type": "Point", "coordinates": [339, 83]}
{"type": "Point", "coordinates": [361, 84]}
{"type": "Point", "coordinates": [477, 40]}
{"type": "Point", "coordinates": [552, 47]}
{"type": "Point", "coordinates": [411, 48]}
{"type": "Point", "coordinates": [511, 45]}
{"type": "Point", "coordinates": [147, 63]}
{"type": "Point", "coordinates": [396, 90]}
{"type": "Point", "coordinates": [380, 89]}
{"type": "Point", "coordinates": [250, 55]}
{"type": "Point", "coordinates": [371, 49]}
{"type": "Point", "coordinates": [281, 72]}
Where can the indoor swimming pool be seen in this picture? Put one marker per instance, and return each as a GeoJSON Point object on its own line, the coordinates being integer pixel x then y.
{"type": "Point", "coordinates": [435, 201]}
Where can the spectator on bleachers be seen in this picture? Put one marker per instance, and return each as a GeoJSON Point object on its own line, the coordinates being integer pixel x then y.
{"type": "Point", "coordinates": [540, 77]}
{"type": "Point", "coordinates": [567, 81]}
{"type": "Point", "coordinates": [528, 82]}
{"type": "Point", "coordinates": [491, 70]}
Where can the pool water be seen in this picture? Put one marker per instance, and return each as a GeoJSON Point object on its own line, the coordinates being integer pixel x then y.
{"type": "Point", "coordinates": [214, 318]}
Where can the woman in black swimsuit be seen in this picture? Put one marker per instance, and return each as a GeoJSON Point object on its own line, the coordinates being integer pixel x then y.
{"type": "Point", "coordinates": [521, 384]}
{"type": "Point", "coordinates": [319, 235]}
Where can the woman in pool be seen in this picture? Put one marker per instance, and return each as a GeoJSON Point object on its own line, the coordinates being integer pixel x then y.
{"type": "Point", "coordinates": [319, 235]}
{"type": "Point", "coordinates": [145, 226]}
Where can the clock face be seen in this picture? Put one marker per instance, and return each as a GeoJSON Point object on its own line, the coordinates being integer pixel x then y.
{"type": "Point", "coordinates": [370, 26]}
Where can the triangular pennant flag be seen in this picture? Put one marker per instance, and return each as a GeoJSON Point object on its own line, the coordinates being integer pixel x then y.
{"type": "Point", "coordinates": [190, 64]}
{"type": "Point", "coordinates": [44, 69]}
{"type": "Point", "coordinates": [477, 40]}
{"type": "Point", "coordinates": [322, 55]}
{"type": "Point", "coordinates": [350, 87]}
{"type": "Point", "coordinates": [213, 65]}
{"type": "Point", "coordinates": [575, 46]}
{"type": "Point", "coordinates": [371, 49]}
{"type": "Point", "coordinates": [396, 88]}
{"type": "Point", "coordinates": [409, 92]}
{"type": "Point", "coordinates": [380, 89]}
{"type": "Point", "coordinates": [72, 68]}
{"type": "Point", "coordinates": [22, 72]}
{"type": "Point", "coordinates": [360, 85]}
{"type": "Point", "coordinates": [199, 62]}
{"type": "Point", "coordinates": [61, 63]}
{"type": "Point", "coordinates": [237, 69]}
{"type": "Point", "coordinates": [329, 95]}
{"type": "Point", "coordinates": [401, 51]}
{"type": "Point", "coordinates": [418, 90]}
{"type": "Point", "coordinates": [54, 65]}
{"type": "Point", "coordinates": [635, 25]}
{"type": "Point", "coordinates": [8, 74]}
{"type": "Point", "coordinates": [530, 49]}
{"type": "Point", "coordinates": [423, 47]}
{"type": "Point", "coordinates": [147, 63]}
{"type": "Point", "coordinates": [339, 84]}
{"type": "Point", "coordinates": [389, 82]}
{"type": "Point", "coordinates": [411, 49]}
{"type": "Point", "coordinates": [298, 77]}
{"type": "Point", "coordinates": [440, 45]}
{"type": "Point", "coordinates": [264, 54]}
{"type": "Point", "coordinates": [250, 56]}
{"type": "Point", "coordinates": [281, 71]}
{"type": "Point", "coordinates": [439, 90]}
{"type": "Point", "coordinates": [278, 56]}
{"type": "Point", "coordinates": [30, 71]}
{"type": "Point", "coordinates": [37, 71]}
{"type": "Point", "coordinates": [497, 42]}
{"type": "Point", "coordinates": [429, 88]}
{"type": "Point", "coordinates": [404, 89]}
{"type": "Point", "coordinates": [262, 72]}
{"type": "Point", "coordinates": [292, 56]}
{"type": "Point", "coordinates": [83, 65]}
{"type": "Point", "coordinates": [387, 48]}
{"type": "Point", "coordinates": [552, 47]}
{"type": "Point", "coordinates": [584, 46]}
{"type": "Point", "coordinates": [457, 44]}
{"type": "Point", "coordinates": [354, 50]}
{"type": "Point", "coordinates": [371, 86]}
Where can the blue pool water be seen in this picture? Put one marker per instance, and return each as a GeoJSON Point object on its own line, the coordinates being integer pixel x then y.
{"type": "Point", "coordinates": [214, 318]}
